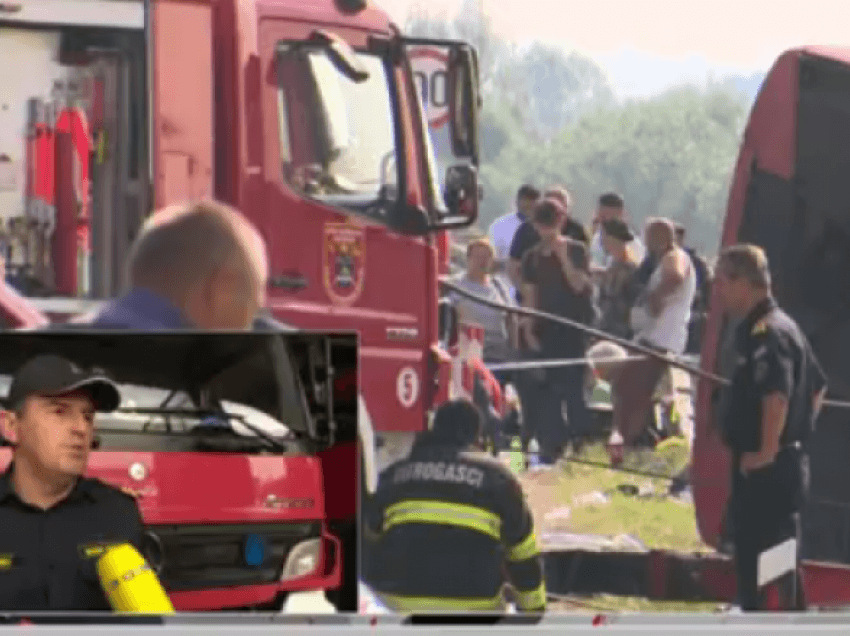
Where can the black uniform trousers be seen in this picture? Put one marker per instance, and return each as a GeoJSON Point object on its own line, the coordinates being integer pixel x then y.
{"type": "Point", "coordinates": [765, 506]}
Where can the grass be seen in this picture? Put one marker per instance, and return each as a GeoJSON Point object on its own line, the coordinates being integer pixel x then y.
{"type": "Point", "coordinates": [657, 521]}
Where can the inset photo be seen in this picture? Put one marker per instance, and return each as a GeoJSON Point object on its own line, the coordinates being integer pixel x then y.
{"type": "Point", "coordinates": [169, 472]}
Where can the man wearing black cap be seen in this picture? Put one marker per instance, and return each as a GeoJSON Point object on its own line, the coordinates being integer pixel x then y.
{"type": "Point", "coordinates": [52, 519]}
{"type": "Point", "coordinates": [618, 285]}
{"type": "Point", "coordinates": [446, 525]}
{"type": "Point", "coordinates": [557, 280]}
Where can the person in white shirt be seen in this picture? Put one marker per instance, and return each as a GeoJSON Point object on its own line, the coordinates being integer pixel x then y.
{"type": "Point", "coordinates": [503, 229]}
{"type": "Point", "coordinates": [660, 322]}
{"type": "Point", "coordinates": [499, 328]}
{"type": "Point", "coordinates": [611, 206]}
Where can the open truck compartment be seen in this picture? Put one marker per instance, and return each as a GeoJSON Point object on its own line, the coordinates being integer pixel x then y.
{"type": "Point", "coordinates": [73, 147]}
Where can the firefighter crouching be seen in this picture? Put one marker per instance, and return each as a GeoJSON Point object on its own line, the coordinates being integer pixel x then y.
{"type": "Point", "coordinates": [774, 398]}
{"type": "Point", "coordinates": [446, 525]}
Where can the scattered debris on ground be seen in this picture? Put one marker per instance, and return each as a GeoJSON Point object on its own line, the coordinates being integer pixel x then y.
{"type": "Point", "coordinates": [592, 499]}
{"type": "Point", "coordinates": [557, 519]}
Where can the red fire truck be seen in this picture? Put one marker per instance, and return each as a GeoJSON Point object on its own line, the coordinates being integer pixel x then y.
{"type": "Point", "coordinates": [305, 116]}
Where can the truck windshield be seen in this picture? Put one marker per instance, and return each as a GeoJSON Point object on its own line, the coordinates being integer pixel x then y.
{"type": "Point", "coordinates": [337, 136]}
{"type": "Point", "coordinates": [175, 412]}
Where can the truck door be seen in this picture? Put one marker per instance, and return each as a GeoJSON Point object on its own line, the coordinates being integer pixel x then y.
{"type": "Point", "coordinates": [181, 70]}
{"type": "Point", "coordinates": [120, 176]}
{"type": "Point", "coordinates": [337, 158]}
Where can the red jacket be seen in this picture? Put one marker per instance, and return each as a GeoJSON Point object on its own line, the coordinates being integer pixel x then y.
{"type": "Point", "coordinates": [475, 367]}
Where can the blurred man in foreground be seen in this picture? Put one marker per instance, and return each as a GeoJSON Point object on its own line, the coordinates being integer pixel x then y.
{"type": "Point", "coordinates": [201, 265]}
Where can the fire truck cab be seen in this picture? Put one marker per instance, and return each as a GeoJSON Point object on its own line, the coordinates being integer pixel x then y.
{"type": "Point", "coordinates": [305, 116]}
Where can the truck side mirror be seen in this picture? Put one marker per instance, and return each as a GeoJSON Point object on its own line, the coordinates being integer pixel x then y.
{"type": "Point", "coordinates": [462, 194]}
{"type": "Point", "coordinates": [448, 323]}
{"type": "Point", "coordinates": [464, 102]}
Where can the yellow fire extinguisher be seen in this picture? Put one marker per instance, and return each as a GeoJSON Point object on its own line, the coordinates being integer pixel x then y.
{"type": "Point", "coordinates": [129, 582]}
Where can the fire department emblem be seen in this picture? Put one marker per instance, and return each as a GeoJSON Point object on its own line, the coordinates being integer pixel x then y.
{"type": "Point", "coordinates": [344, 262]}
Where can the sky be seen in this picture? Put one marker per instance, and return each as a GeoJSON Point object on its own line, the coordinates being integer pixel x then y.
{"type": "Point", "coordinates": [647, 45]}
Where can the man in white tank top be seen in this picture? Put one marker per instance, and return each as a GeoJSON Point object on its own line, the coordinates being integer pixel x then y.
{"type": "Point", "coordinates": [660, 321]}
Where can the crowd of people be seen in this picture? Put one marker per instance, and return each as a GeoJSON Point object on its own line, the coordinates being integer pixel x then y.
{"type": "Point", "coordinates": [651, 289]}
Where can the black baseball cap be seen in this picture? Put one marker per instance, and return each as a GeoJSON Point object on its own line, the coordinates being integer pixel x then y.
{"type": "Point", "coordinates": [53, 375]}
{"type": "Point", "coordinates": [616, 228]}
{"type": "Point", "coordinates": [459, 421]}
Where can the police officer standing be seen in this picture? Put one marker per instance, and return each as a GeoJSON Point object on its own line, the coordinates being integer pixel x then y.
{"type": "Point", "coordinates": [773, 401]}
{"type": "Point", "coordinates": [53, 521]}
{"type": "Point", "coordinates": [447, 523]}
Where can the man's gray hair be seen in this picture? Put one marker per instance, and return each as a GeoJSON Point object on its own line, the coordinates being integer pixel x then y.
{"type": "Point", "coordinates": [747, 262]}
{"type": "Point", "coordinates": [183, 244]}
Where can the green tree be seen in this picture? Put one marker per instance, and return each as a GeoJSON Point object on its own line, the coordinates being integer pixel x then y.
{"type": "Point", "coordinates": [551, 117]}
{"type": "Point", "coordinates": [668, 156]}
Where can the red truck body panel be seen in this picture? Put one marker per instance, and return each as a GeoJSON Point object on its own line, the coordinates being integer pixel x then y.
{"type": "Point", "coordinates": [770, 146]}
{"type": "Point", "coordinates": [770, 137]}
{"type": "Point", "coordinates": [220, 489]}
{"type": "Point", "coordinates": [17, 312]}
{"type": "Point", "coordinates": [788, 195]}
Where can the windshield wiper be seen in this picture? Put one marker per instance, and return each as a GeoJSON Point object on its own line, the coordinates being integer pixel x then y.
{"type": "Point", "coordinates": [201, 414]}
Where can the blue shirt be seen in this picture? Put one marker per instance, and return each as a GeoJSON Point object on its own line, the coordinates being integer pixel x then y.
{"type": "Point", "coordinates": [143, 310]}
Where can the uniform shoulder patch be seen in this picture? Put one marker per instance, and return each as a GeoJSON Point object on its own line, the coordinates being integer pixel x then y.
{"type": "Point", "coordinates": [759, 328]}
{"type": "Point", "coordinates": [92, 550]}
{"type": "Point", "coordinates": [6, 561]}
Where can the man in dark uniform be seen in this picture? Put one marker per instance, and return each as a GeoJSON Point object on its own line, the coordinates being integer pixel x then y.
{"type": "Point", "coordinates": [773, 401]}
{"type": "Point", "coordinates": [446, 524]}
{"type": "Point", "coordinates": [54, 521]}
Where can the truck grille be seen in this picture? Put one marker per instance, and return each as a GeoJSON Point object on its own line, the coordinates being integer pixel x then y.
{"type": "Point", "coordinates": [196, 557]}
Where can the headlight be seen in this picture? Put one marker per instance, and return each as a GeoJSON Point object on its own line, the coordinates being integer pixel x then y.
{"type": "Point", "coordinates": [302, 560]}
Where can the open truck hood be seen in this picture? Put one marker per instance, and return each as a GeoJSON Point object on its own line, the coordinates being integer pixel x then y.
{"type": "Point", "coordinates": [179, 486]}
{"type": "Point", "coordinates": [268, 383]}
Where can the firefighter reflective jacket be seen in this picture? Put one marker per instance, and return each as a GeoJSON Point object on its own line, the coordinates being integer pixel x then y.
{"type": "Point", "coordinates": [447, 526]}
